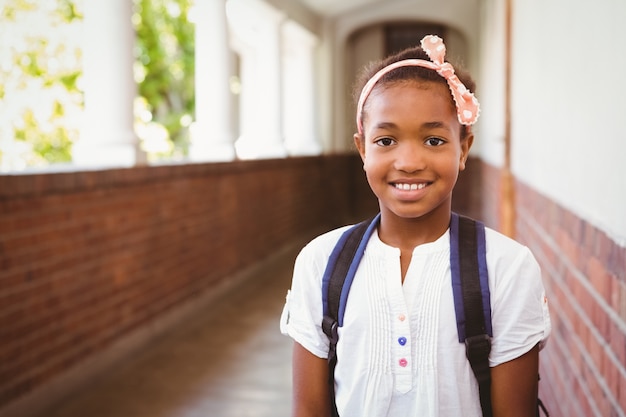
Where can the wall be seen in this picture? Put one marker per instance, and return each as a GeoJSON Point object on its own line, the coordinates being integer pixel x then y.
{"type": "Point", "coordinates": [568, 88]}
{"type": "Point", "coordinates": [89, 258]}
{"type": "Point", "coordinates": [585, 275]}
{"type": "Point", "coordinates": [566, 157]}
{"type": "Point", "coordinates": [584, 272]}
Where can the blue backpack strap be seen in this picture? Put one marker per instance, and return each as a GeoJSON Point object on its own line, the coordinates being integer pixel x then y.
{"type": "Point", "coordinates": [470, 286]}
{"type": "Point", "coordinates": [472, 234]}
{"type": "Point", "coordinates": [341, 267]}
{"type": "Point", "coordinates": [338, 276]}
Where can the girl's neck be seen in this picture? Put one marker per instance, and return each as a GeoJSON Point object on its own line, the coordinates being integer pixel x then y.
{"type": "Point", "coordinates": [408, 233]}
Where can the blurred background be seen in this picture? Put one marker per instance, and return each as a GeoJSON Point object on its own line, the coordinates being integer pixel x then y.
{"type": "Point", "coordinates": [162, 162]}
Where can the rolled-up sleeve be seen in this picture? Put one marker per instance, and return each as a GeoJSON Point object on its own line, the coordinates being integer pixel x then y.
{"type": "Point", "coordinates": [520, 314]}
{"type": "Point", "coordinates": [302, 314]}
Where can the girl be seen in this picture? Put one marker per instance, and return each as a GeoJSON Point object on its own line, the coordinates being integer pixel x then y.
{"type": "Point", "coordinates": [398, 351]}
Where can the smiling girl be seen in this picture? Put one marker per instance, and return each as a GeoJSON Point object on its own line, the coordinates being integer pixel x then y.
{"type": "Point", "coordinates": [398, 351]}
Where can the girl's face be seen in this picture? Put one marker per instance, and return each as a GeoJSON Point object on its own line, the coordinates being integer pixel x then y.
{"type": "Point", "coordinates": [412, 152]}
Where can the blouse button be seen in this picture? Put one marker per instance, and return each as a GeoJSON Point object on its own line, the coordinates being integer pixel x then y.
{"type": "Point", "coordinates": [402, 340]}
{"type": "Point", "coordinates": [403, 362]}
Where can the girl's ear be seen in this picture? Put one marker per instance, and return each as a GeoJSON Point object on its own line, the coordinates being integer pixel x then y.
{"type": "Point", "coordinates": [359, 142]}
{"type": "Point", "coordinates": [466, 145]}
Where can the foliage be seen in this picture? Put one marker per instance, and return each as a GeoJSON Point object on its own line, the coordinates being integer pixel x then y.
{"type": "Point", "coordinates": [165, 64]}
{"type": "Point", "coordinates": [39, 74]}
{"type": "Point", "coordinates": [53, 145]}
{"type": "Point", "coordinates": [41, 100]}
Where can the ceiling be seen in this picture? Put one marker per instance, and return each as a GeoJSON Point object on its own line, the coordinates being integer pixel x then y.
{"type": "Point", "coordinates": [335, 7]}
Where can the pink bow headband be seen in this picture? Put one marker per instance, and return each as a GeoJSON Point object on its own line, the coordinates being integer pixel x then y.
{"type": "Point", "coordinates": [467, 106]}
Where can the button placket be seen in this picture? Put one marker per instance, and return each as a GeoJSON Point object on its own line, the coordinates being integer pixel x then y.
{"type": "Point", "coordinates": [402, 340]}
{"type": "Point", "coordinates": [401, 365]}
{"type": "Point", "coordinates": [403, 362]}
{"type": "Point", "coordinates": [402, 349]}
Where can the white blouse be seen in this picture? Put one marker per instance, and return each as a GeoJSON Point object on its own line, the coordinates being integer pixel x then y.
{"type": "Point", "coordinates": [398, 350]}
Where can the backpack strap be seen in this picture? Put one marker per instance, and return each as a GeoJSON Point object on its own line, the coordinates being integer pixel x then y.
{"type": "Point", "coordinates": [470, 286]}
{"type": "Point", "coordinates": [340, 270]}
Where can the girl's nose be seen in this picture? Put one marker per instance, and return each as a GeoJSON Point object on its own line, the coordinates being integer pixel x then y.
{"type": "Point", "coordinates": [410, 158]}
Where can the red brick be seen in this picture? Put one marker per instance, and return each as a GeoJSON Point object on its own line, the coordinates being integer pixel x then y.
{"type": "Point", "coordinates": [621, 301]}
{"type": "Point", "coordinates": [618, 262]}
{"type": "Point", "coordinates": [618, 343]}
{"type": "Point", "coordinates": [611, 373]}
{"type": "Point", "coordinates": [615, 297]}
{"type": "Point", "coordinates": [596, 258]}
{"type": "Point", "coordinates": [622, 393]}
{"type": "Point", "coordinates": [589, 241]}
{"type": "Point", "coordinates": [600, 280]}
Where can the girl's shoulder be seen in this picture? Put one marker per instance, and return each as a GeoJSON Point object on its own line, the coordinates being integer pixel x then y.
{"type": "Point", "coordinates": [502, 245]}
{"type": "Point", "coordinates": [506, 256]}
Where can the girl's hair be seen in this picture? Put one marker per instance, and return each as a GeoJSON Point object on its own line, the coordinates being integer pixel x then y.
{"type": "Point", "coordinates": [409, 73]}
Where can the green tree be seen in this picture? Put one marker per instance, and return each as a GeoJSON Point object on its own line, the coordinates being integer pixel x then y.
{"type": "Point", "coordinates": [41, 66]}
{"type": "Point", "coordinates": [165, 65]}
{"type": "Point", "coordinates": [39, 75]}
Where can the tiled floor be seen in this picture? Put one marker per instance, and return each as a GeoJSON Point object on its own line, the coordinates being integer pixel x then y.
{"type": "Point", "coordinates": [230, 362]}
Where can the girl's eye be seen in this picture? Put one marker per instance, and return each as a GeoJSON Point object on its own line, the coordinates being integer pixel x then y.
{"type": "Point", "coordinates": [435, 141]}
{"type": "Point", "coordinates": [384, 142]}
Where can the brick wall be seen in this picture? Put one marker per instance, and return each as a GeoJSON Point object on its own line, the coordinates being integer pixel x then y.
{"type": "Point", "coordinates": [86, 258]}
{"type": "Point", "coordinates": [583, 367]}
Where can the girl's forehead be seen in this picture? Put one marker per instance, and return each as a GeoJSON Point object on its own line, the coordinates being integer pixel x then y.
{"type": "Point", "coordinates": [410, 107]}
{"type": "Point", "coordinates": [412, 84]}
{"type": "Point", "coordinates": [409, 95]}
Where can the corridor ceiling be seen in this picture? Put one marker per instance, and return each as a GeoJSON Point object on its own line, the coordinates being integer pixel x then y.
{"type": "Point", "coordinates": [335, 7]}
{"type": "Point", "coordinates": [331, 8]}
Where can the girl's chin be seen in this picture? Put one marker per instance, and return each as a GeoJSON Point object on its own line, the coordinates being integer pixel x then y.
{"type": "Point", "coordinates": [415, 212]}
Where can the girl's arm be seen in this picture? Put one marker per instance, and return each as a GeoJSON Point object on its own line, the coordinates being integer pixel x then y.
{"type": "Point", "coordinates": [310, 384]}
{"type": "Point", "coordinates": [514, 386]}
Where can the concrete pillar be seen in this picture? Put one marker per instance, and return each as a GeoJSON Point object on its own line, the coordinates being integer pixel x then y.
{"type": "Point", "coordinates": [299, 91]}
{"type": "Point", "coordinates": [212, 135]}
{"type": "Point", "coordinates": [107, 136]}
{"type": "Point", "coordinates": [257, 26]}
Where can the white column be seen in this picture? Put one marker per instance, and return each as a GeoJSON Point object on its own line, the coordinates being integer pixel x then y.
{"type": "Point", "coordinates": [212, 134]}
{"type": "Point", "coordinates": [107, 137]}
{"type": "Point", "coordinates": [299, 91]}
{"type": "Point", "coordinates": [257, 27]}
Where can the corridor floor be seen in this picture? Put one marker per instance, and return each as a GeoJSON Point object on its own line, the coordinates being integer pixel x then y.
{"type": "Point", "coordinates": [231, 361]}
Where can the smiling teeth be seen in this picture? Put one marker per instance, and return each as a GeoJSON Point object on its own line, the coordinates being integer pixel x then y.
{"type": "Point", "coordinates": [410, 187]}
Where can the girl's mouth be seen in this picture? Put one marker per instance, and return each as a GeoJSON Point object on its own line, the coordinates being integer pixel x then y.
{"type": "Point", "coordinates": [410, 187]}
